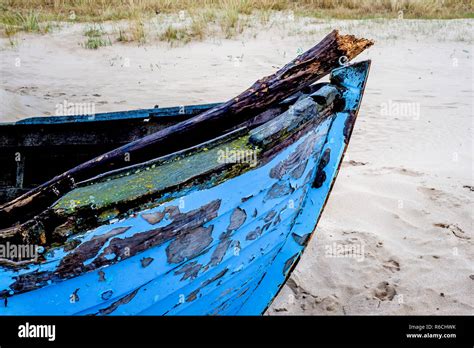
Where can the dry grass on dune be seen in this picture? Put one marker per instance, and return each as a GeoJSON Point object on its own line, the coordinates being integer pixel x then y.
{"type": "Point", "coordinates": [100, 10]}
{"type": "Point", "coordinates": [229, 16]}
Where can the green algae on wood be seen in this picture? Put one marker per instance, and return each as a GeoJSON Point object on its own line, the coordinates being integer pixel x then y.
{"type": "Point", "coordinates": [144, 181]}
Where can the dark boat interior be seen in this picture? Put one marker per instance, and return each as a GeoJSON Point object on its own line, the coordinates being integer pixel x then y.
{"type": "Point", "coordinates": [36, 149]}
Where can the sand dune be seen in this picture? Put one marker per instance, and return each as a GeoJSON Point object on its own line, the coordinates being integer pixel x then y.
{"type": "Point", "coordinates": [402, 207]}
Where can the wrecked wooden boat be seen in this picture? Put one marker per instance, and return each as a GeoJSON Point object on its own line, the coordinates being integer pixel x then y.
{"type": "Point", "coordinates": [36, 149]}
{"type": "Point", "coordinates": [207, 217]}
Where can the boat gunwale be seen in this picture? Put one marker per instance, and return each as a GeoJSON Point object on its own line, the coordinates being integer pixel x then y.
{"type": "Point", "coordinates": [136, 114]}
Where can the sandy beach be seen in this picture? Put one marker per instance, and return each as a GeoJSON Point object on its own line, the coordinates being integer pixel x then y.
{"type": "Point", "coordinates": [401, 211]}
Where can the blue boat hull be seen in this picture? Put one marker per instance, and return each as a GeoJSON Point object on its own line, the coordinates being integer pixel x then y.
{"type": "Point", "coordinates": [237, 258]}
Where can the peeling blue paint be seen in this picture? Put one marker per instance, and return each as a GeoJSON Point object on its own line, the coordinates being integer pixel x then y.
{"type": "Point", "coordinates": [250, 271]}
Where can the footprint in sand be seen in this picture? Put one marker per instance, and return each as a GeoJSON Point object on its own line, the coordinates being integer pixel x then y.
{"type": "Point", "coordinates": [30, 90]}
{"type": "Point", "coordinates": [392, 265]}
{"type": "Point", "coordinates": [455, 229]}
{"type": "Point", "coordinates": [403, 171]}
{"type": "Point", "coordinates": [443, 197]}
{"type": "Point", "coordinates": [391, 170]}
{"type": "Point", "coordinates": [469, 187]}
{"type": "Point", "coordinates": [385, 291]}
{"type": "Point", "coordinates": [355, 163]}
{"type": "Point", "coordinates": [308, 301]}
{"type": "Point", "coordinates": [54, 94]}
{"type": "Point", "coordinates": [330, 303]}
{"type": "Point", "coordinates": [408, 172]}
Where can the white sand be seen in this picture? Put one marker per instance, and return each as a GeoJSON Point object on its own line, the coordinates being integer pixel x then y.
{"type": "Point", "coordinates": [404, 196]}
